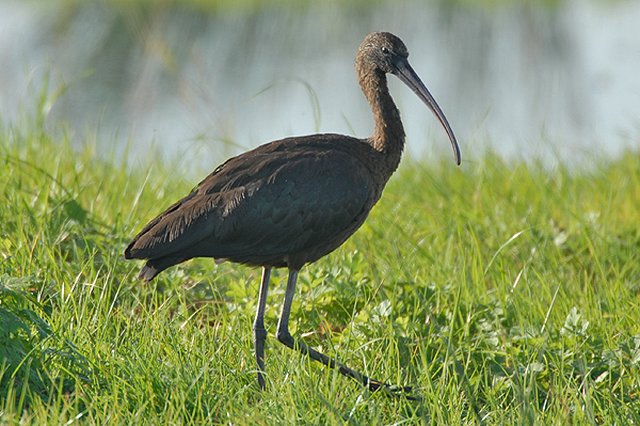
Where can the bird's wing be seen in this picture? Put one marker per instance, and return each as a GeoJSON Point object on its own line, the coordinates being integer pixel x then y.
{"type": "Point", "coordinates": [276, 203]}
{"type": "Point", "coordinates": [306, 202]}
{"type": "Point", "coordinates": [182, 225]}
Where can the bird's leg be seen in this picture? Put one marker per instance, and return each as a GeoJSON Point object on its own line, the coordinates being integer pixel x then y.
{"type": "Point", "coordinates": [285, 337]}
{"type": "Point", "coordinates": [259, 332]}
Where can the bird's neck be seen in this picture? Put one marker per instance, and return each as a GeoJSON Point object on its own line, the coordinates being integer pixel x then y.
{"type": "Point", "coordinates": [388, 135]}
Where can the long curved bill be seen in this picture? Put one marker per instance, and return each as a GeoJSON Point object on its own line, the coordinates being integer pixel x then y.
{"type": "Point", "coordinates": [409, 77]}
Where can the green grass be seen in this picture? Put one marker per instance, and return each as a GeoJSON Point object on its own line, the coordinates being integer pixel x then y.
{"type": "Point", "coordinates": [505, 292]}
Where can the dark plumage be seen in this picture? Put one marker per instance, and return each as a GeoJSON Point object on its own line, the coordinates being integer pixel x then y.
{"type": "Point", "coordinates": [256, 208]}
{"type": "Point", "coordinates": [290, 202]}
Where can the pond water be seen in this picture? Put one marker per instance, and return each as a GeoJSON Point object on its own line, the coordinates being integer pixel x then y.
{"type": "Point", "coordinates": [524, 80]}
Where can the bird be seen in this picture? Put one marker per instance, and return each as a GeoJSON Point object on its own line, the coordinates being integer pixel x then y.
{"type": "Point", "coordinates": [287, 203]}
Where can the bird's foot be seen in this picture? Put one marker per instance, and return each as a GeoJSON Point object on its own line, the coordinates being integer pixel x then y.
{"type": "Point", "coordinates": [392, 390]}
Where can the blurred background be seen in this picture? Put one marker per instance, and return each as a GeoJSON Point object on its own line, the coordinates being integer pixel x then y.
{"type": "Point", "coordinates": [198, 81]}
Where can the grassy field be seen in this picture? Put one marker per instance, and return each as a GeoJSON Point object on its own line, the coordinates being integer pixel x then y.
{"type": "Point", "coordinates": [504, 293]}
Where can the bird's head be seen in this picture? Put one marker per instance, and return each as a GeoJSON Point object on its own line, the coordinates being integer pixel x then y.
{"type": "Point", "coordinates": [383, 52]}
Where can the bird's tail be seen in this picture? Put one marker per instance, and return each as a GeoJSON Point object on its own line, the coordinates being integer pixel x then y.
{"type": "Point", "coordinates": [154, 266]}
{"type": "Point", "coordinates": [147, 273]}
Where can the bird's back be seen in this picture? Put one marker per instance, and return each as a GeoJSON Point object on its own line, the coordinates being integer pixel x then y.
{"type": "Point", "coordinates": [285, 203]}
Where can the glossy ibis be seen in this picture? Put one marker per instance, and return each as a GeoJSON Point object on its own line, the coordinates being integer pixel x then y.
{"type": "Point", "coordinates": [290, 202]}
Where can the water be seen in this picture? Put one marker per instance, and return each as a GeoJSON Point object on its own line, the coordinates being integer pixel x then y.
{"type": "Point", "coordinates": [521, 79]}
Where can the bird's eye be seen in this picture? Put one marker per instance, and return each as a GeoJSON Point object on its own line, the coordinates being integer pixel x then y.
{"type": "Point", "coordinates": [385, 50]}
